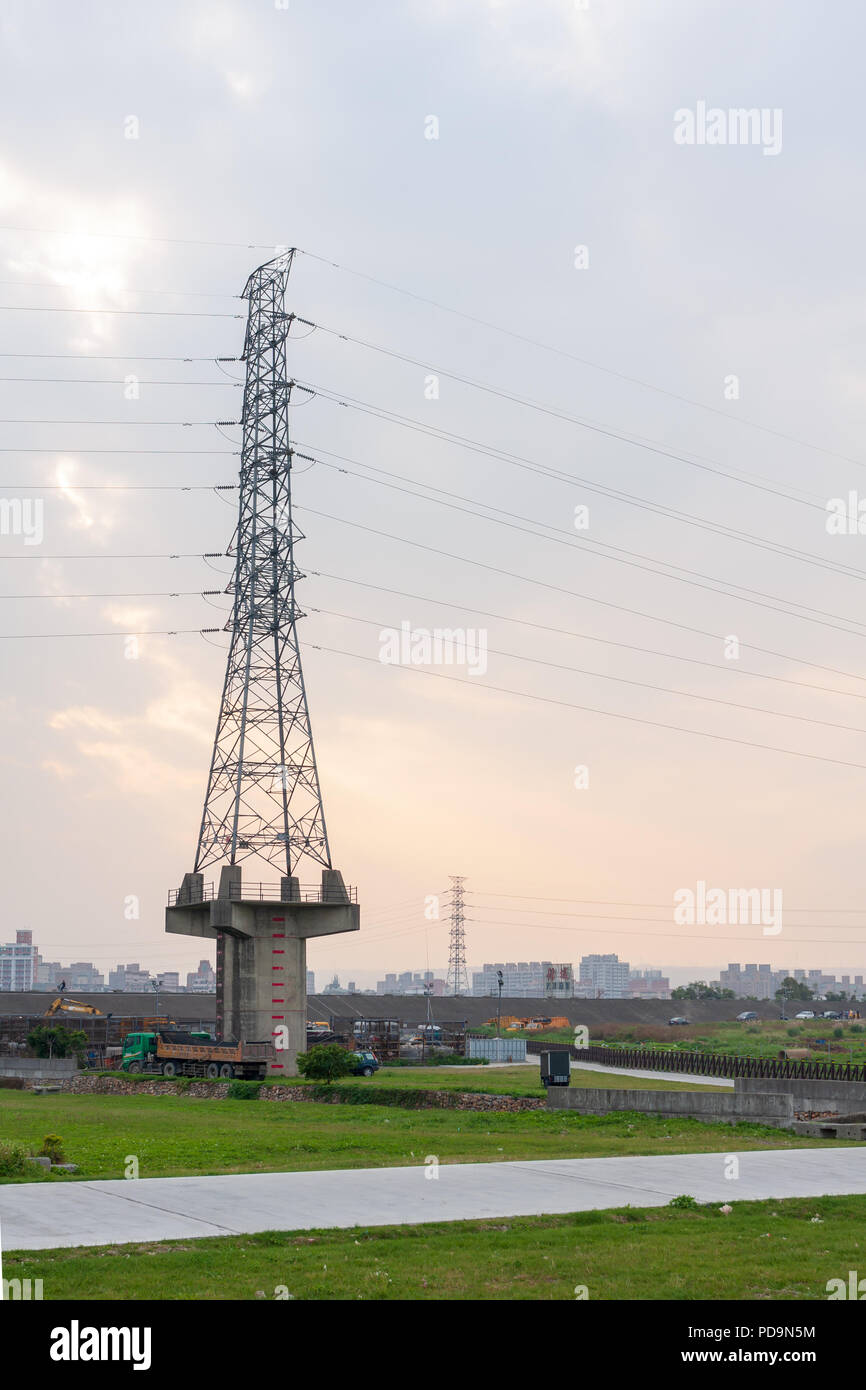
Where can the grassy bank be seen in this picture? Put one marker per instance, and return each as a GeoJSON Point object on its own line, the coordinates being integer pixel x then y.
{"type": "Point", "coordinates": [773, 1250]}
{"type": "Point", "coordinates": [178, 1135]}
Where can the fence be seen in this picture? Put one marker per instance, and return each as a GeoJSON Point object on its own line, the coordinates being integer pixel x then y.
{"type": "Point", "coordinates": [711, 1063]}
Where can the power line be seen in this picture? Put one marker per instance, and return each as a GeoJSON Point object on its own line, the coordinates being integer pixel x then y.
{"type": "Point", "coordinates": [113, 381]}
{"type": "Point", "coordinates": [122, 487]}
{"type": "Point", "coordinates": [476, 446]}
{"type": "Point", "coordinates": [582, 361]}
{"type": "Point", "coordinates": [494, 569]}
{"type": "Point", "coordinates": [614, 902]}
{"type": "Point", "coordinates": [623, 680]}
{"type": "Point", "coordinates": [592, 709]}
{"type": "Point", "coordinates": [108, 357]}
{"type": "Point", "coordinates": [608, 641]}
{"type": "Point", "coordinates": [186, 424]}
{"type": "Point", "coordinates": [791, 553]}
{"type": "Point", "coordinates": [147, 313]}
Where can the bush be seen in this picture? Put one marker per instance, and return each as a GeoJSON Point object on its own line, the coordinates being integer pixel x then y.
{"type": "Point", "coordinates": [52, 1147]}
{"type": "Point", "coordinates": [13, 1159]}
{"type": "Point", "coordinates": [326, 1062]}
{"type": "Point", "coordinates": [244, 1090]}
{"type": "Point", "coordinates": [838, 1032]}
{"type": "Point", "coordinates": [684, 1202]}
{"type": "Point", "coordinates": [856, 1028]}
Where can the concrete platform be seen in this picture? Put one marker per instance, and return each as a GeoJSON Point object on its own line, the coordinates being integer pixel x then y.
{"type": "Point", "coordinates": [39, 1216]}
{"type": "Point", "coordinates": [681, 1076]}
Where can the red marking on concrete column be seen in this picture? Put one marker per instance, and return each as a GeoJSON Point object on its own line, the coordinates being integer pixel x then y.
{"type": "Point", "coordinates": [278, 919]}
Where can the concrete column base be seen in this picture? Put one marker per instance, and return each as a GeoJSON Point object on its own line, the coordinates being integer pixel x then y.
{"type": "Point", "coordinates": [262, 954]}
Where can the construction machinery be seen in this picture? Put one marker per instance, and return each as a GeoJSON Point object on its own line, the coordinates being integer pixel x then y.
{"type": "Point", "coordinates": [61, 1005]}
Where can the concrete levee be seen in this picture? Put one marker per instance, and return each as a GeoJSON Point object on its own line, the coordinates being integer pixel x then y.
{"type": "Point", "coordinates": [840, 1097]}
{"type": "Point", "coordinates": [714, 1107]}
{"type": "Point", "coordinates": [38, 1068]}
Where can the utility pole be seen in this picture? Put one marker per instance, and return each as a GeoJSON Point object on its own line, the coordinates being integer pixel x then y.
{"type": "Point", "coordinates": [500, 982]}
{"type": "Point", "coordinates": [458, 976]}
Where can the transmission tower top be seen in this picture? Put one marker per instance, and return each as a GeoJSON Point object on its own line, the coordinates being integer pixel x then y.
{"type": "Point", "coordinates": [263, 798]}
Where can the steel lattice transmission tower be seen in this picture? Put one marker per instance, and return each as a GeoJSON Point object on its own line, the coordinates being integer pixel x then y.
{"type": "Point", "coordinates": [458, 976]}
{"type": "Point", "coordinates": [263, 797]}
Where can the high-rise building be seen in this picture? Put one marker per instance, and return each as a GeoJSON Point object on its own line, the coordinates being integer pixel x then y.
{"type": "Point", "coordinates": [18, 963]}
{"type": "Point", "coordinates": [203, 980]}
{"type": "Point", "coordinates": [604, 977]}
{"type": "Point", "coordinates": [520, 979]}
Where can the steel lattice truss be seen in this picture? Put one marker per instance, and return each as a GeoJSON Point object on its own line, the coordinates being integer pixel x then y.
{"type": "Point", "coordinates": [458, 976]}
{"type": "Point", "coordinates": [263, 797]}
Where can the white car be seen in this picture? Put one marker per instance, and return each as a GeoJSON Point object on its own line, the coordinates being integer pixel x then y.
{"type": "Point", "coordinates": [805, 1013]}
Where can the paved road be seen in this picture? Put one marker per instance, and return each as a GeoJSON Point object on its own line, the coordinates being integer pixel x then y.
{"type": "Point", "coordinates": [39, 1216]}
{"type": "Point", "coordinates": [654, 1075]}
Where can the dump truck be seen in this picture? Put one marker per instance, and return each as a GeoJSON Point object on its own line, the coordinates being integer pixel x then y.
{"type": "Point", "coordinates": [171, 1052]}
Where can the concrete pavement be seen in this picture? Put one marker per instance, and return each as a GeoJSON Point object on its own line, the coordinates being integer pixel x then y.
{"type": "Point", "coordinates": [680, 1076]}
{"type": "Point", "coordinates": [42, 1216]}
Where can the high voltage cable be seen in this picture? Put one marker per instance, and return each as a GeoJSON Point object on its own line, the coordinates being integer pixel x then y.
{"type": "Point", "coordinates": [123, 289]}
{"type": "Point", "coordinates": [109, 357]}
{"type": "Point", "coordinates": [501, 393]}
{"type": "Point", "coordinates": [521, 622]}
{"type": "Point", "coordinates": [591, 709]}
{"type": "Point", "coordinates": [185, 424]}
{"type": "Point", "coordinates": [186, 555]}
{"type": "Point", "coordinates": [490, 450]}
{"type": "Point", "coordinates": [123, 487]}
{"type": "Point", "coordinates": [630, 499]}
{"type": "Point", "coordinates": [120, 632]}
{"type": "Point", "coordinates": [803, 617]}
{"type": "Point", "coordinates": [113, 381]}
{"type": "Point", "coordinates": [789, 552]}
{"type": "Point", "coordinates": [620, 680]}
{"type": "Point", "coordinates": [459, 313]}
{"type": "Point", "coordinates": [582, 361]}
{"type": "Point", "coordinates": [612, 902]}
{"type": "Point", "coordinates": [214, 453]}
{"type": "Point", "coordinates": [147, 313]}
{"type": "Point", "coordinates": [618, 931]}
{"type": "Point", "coordinates": [607, 641]}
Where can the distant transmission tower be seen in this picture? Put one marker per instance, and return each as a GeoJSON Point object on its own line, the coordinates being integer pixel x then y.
{"type": "Point", "coordinates": [458, 977]}
{"type": "Point", "coordinates": [263, 798]}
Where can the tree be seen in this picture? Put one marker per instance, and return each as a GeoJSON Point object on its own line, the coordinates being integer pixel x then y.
{"type": "Point", "coordinates": [793, 989]}
{"type": "Point", "coordinates": [57, 1041]}
{"type": "Point", "coordinates": [699, 989]}
{"type": "Point", "coordinates": [326, 1062]}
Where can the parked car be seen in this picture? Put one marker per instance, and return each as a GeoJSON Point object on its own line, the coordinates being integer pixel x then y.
{"type": "Point", "coordinates": [831, 1013]}
{"type": "Point", "coordinates": [747, 1017]}
{"type": "Point", "coordinates": [365, 1063]}
{"type": "Point", "coordinates": [805, 1013]}
{"type": "Point", "coordinates": [676, 1021]}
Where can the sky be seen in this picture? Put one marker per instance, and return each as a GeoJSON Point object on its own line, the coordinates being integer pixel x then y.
{"type": "Point", "coordinates": [496, 192]}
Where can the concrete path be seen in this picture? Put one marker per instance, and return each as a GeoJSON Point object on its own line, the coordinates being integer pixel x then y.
{"type": "Point", "coordinates": [43, 1216]}
{"type": "Point", "coordinates": [656, 1075]}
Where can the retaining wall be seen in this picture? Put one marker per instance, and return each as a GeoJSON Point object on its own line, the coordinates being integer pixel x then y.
{"type": "Point", "coordinates": [714, 1107]}
{"type": "Point", "coordinates": [841, 1097]}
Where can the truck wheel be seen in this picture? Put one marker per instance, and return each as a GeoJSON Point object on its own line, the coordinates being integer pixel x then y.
{"type": "Point", "coordinates": [212, 1071]}
{"type": "Point", "coordinates": [227, 1071]}
{"type": "Point", "coordinates": [169, 1069]}
{"type": "Point", "coordinates": [134, 1066]}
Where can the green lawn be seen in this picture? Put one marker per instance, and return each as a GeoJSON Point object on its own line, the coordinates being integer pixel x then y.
{"type": "Point", "coordinates": [177, 1135]}
{"type": "Point", "coordinates": [524, 1080]}
{"type": "Point", "coordinates": [771, 1250]}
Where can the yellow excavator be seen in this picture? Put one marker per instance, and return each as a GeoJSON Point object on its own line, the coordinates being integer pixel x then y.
{"type": "Point", "coordinates": [62, 1005]}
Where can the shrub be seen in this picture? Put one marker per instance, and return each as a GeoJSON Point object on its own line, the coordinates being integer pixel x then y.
{"type": "Point", "coordinates": [684, 1202]}
{"type": "Point", "coordinates": [838, 1032]}
{"type": "Point", "coordinates": [244, 1090]}
{"type": "Point", "coordinates": [52, 1147]}
{"type": "Point", "coordinates": [13, 1159]}
{"type": "Point", "coordinates": [326, 1062]}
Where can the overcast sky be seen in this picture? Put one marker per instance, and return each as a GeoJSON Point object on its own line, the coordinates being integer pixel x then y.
{"type": "Point", "coordinates": [699, 307]}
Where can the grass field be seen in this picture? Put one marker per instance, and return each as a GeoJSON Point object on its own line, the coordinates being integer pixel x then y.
{"type": "Point", "coordinates": [178, 1135]}
{"type": "Point", "coordinates": [523, 1080]}
{"type": "Point", "coordinates": [762, 1250]}
{"type": "Point", "coordinates": [847, 1041]}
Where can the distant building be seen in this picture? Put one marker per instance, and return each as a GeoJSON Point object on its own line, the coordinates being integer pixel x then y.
{"type": "Point", "coordinates": [604, 977]}
{"type": "Point", "coordinates": [82, 976]}
{"type": "Point", "coordinates": [130, 978]}
{"type": "Point", "coordinates": [18, 963]}
{"type": "Point", "coordinates": [520, 979]}
{"type": "Point", "coordinates": [203, 980]}
{"type": "Point", "coordinates": [752, 981]}
{"type": "Point", "coordinates": [559, 982]}
{"type": "Point", "coordinates": [169, 981]}
{"type": "Point", "coordinates": [48, 974]}
{"type": "Point", "coordinates": [648, 984]}
{"type": "Point", "coordinates": [311, 982]}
